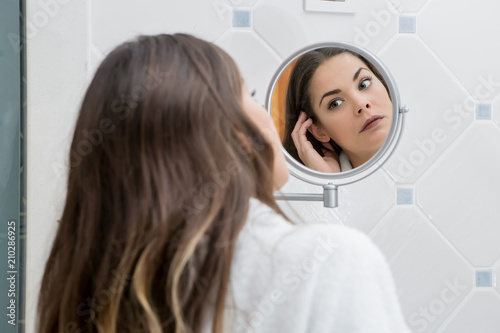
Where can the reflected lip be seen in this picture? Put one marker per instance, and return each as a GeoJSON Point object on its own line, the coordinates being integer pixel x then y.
{"type": "Point", "coordinates": [369, 121]}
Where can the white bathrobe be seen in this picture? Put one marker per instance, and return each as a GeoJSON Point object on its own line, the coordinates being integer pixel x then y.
{"type": "Point", "coordinates": [345, 163]}
{"type": "Point", "coordinates": [309, 278]}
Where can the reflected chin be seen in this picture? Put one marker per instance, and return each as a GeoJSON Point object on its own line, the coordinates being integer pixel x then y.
{"type": "Point", "coordinates": [378, 136]}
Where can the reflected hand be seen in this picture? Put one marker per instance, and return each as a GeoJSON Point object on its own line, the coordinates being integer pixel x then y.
{"type": "Point", "coordinates": [328, 163]}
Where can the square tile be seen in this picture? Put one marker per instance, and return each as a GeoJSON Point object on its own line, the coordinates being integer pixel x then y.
{"type": "Point", "coordinates": [204, 19]}
{"type": "Point", "coordinates": [451, 196]}
{"type": "Point", "coordinates": [256, 62]}
{"type": "Point", "coordinates": [480, 309]}
{"type": "Point", "coordinates": [241, 18]}
{"type": "Point", "coordinates": [483, 111]}
{"type": "Point", "coordinates": [404, 196]}
{"type": "Point", "coordinates": [430, 133]}
{"type": "Point", "coordinates": [467, 30]}
{"type": "Point", "coordinates": [419, 256]}
{"type": "Point", "coordinates": [407, 24]}
{"type": "Point", "coordinates": [484, 278]}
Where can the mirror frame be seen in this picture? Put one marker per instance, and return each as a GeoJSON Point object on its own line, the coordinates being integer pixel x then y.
{"type": "Point", "coordinates": [311, 176]}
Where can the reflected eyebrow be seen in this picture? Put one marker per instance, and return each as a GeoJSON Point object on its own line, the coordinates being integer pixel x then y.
{"type": "Point", "coordinates": [336, 91]}
{"type": "Point", "coordinates": [333, 92]}
{"type": "Point", "coordinates": [357, 73]}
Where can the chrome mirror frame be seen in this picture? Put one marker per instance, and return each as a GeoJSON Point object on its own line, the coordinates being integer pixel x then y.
{"type": "Point", "coordinates": [330, 181]}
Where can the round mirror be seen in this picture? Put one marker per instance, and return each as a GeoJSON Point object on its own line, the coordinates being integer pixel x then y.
{"type": "Point", "coordinates": [337, 110]}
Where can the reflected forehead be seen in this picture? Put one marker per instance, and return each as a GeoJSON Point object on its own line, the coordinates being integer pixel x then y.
{"type": "Point", "coordinates": [339, 67]}
{"type": "Point", "coordinates": [346, 59]}
{"type": "Point", "coordinates": [333, 73]}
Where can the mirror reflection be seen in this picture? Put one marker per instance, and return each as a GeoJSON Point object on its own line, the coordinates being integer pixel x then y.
{"type": "Point", "coordinates": [332, 109]}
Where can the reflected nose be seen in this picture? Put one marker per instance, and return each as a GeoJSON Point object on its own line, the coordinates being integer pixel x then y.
{"type": "Point", "coordinates": [363, 106]}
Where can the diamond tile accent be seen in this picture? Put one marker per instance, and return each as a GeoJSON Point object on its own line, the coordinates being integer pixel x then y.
{"type": "Point", "coordinates": [483, 111]}
{"type": "Point", "coordinates": [241, 18]}
{"type": "Point", "coordinates": [407, 24]}
{"type": "Point", "coordinates": [404, 196]}
{"type": "Point", "coordinates": [484, 278]}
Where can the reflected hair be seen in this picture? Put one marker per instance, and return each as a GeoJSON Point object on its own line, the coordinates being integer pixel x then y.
{"type": "Point", "coordinates": [298, 96]}
{"type": "Point", "coordinates": [156, 200]}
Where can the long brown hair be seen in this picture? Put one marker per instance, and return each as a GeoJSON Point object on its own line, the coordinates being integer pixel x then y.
{"type": "Point", "coordinates": [158, 191]}
{"type": "Point", "coordinates": [298, 96]}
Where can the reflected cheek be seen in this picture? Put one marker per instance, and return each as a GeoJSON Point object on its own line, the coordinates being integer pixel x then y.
{"type": "Point", "coordinates": [339, 127]}
{"type": "Point", "coordinates": [385, 102]}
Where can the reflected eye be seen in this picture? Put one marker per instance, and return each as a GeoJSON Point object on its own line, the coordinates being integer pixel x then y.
{"type": "Point", "coordinates": [365, 83]}
{"type": "Point", "coordinates": [334, 104]}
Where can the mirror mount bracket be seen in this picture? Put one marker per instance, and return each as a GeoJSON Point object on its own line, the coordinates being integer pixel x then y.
{"type": "Point", "coordinates": [329, 196]}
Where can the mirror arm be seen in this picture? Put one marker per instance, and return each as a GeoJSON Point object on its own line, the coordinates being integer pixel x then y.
{"type": "Point", "coordinates": [329, 196]}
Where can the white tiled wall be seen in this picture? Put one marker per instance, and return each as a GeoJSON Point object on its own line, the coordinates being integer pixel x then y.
{"type": "Point", "coordinates": [432, 208]}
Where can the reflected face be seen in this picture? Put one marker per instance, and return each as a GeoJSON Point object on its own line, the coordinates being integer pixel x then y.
{"type": "Point", "coordinates": [263, 121]}
{"type": "Point", "coordinates": [352, 106]}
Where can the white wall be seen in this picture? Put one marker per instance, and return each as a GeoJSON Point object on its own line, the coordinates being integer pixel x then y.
{"type": "Point", "coordinates": [57, 58]}
{"type": "Point", "coordinates": [432, 208]}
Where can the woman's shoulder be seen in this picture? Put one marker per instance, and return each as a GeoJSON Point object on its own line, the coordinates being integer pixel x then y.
{"type": "Point", "coordinates": [270, 228]}
{"type": "Point", "coordinates": [330, 278]}
{"type": "Point", "coordinates": [263, 216]}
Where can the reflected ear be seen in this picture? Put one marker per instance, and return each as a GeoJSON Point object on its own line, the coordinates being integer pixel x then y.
{"type": "Point", "coordinates": [318, 132]}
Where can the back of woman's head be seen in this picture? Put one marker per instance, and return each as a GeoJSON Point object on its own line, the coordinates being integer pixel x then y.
{"type": "Point", "coordinates": [163, 162]}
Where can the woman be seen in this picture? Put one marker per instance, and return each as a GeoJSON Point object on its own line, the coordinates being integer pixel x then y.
{"type": "Point", "coordinates": [338, 110]}
{"type": "Point", "coordinates": [170, 224]}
